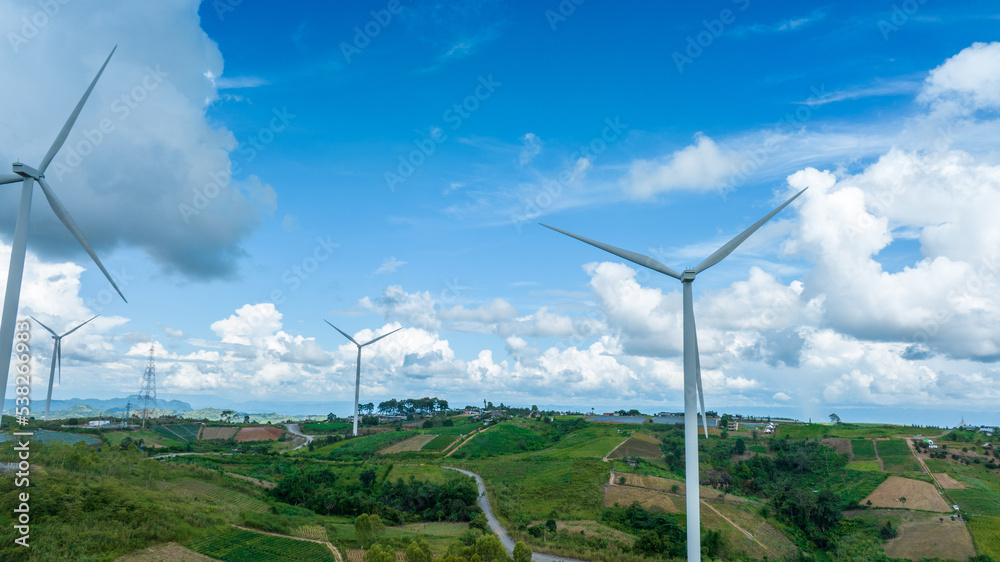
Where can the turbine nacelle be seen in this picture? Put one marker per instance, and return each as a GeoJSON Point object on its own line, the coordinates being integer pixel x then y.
{"type": "Point", "coordinates": [26, 171]}
{"type": "Point", "coordinates": [688, 275]}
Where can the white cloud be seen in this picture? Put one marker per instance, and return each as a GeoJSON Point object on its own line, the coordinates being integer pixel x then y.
{"type": "Point", "coordinates": [389, 265]}
{"type": "Point", "coordinates": [781, 396]}
{"type": "Point", "coordinates": [970, 78]}
{"type": "Point", "coordinates": [531, 147]}
{"type": "Point", "coordinates": [395, 304]}
{"type": "Point", "coordinates": [699, 167]}
{"type": "Point", "coordinates": [151, 99]}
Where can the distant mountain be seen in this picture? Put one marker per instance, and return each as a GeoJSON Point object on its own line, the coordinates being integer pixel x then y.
{"type": "Point", "coordinates": [97, 405]}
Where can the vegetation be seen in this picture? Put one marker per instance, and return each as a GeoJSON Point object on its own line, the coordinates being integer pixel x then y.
{"type": "Point", "coordinates": [864, 449]}
{"type": "Point", "coordinates": [237, 545]}
{"type": "Point", "coordinates": [896, 456]}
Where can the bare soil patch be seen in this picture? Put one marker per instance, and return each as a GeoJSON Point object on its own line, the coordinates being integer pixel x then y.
{"type": "Point", "coordinates": [842, 446]}
{"type": "Point", "coordinates": [259, 434]}
{"type": "Point", "coordinates": [946, 481]}
{"type": "Point", "coordinates": [932, 538]}
{"type": "Point", "coordinates": [414, 443]}
{"type": "Point", "coordinates": [261, 483]}
{"type": "Point", "coordinates": [647, 498]}
{"type": "Point", "coordinates": [218, 432]}
{"type": "Point", "coordinates": [919, 495]}
{"type": "Point", "coordinates": [169, 552]}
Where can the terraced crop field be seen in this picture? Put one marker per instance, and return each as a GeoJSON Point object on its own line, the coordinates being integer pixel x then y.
{"type": "Point", "coordinates": [639, 445]}
{"type": "Point", "coordinates": [219, 432]}
{"type": "Point", "coordinates": [896, 456]}
{"type": "Point", "coordinates": [440, 443]}
{"type": "Point", "coordinates": [864, 449]}
{"type": "Point", "coordinates": [259, 434]}
{"type": "Point", "coordinates": [238, 545]}
{"type": "Point", "coordinates": [184, 432]}
{"type": "Point", "coordinates": [414, 443]}
{"type": "Point", "coordinates": [224, 497]}
{"type": "Point", "coordinates": [986, 535]}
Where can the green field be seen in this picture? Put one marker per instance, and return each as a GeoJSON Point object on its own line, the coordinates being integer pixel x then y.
{"type": "Point", "coordinates": [843, 431]}
{"type": "Point", "coordinates": [985, 533]}
{"type": "Point", "coordinates": [424, 473]}
{"type": "Point", "coordinates": [978, 499]}
{"type": "Point", "coordinates": [593, 441]}
{"type": "Point", "coordinates": [148, 438]}
{"type": "Point", "coordinates": [533, 486]}
{"type": "Point", "coordinates": [218, 495]}
{"type": "Point", "coordinates": [237, 545]}
{"type": "Point", "coordinates": [184, 432]}
{"type": "Point", "coordinates": [896, 456]}
{"type": "Point", "coordinates": [866, 466]}
{"type": "Point", "coordinates": [864, 449]}
{"type": "Point", "coordinates": [439, 443]}
{"type": "Point", "coordinates": [504, 439]}
{"type": "Point", "coordinates": [325, 428]}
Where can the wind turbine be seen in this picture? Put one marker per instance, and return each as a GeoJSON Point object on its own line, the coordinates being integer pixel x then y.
{"type": "Point", "coordinates": [56, 359]}
{"type": "Point", "coordinates": [692, 364]}
{"type": "Point", "coordinates": [357, 380]}
{"type": "Point", "coordinates": [28, 176]}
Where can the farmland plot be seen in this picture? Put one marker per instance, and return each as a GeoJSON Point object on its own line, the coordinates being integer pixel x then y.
{"type": "Point", "coordinates": [245, 546]}
{"type": "Point", "coordinates": [219, 432]}
{"type": "Point", "coordinates": [414, 443]}
{"type": "Point", "coordinates": [259, 434]}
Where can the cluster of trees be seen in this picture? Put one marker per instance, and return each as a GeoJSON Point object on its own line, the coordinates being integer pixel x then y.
{"type": "Point", "coordinates": [329, 493]}
{"type": "Point", "coordinates": [412, 406]}
{"type": "Point", "coordinates": [658, 534]}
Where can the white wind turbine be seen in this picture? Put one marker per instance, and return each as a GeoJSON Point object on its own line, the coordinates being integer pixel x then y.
{"type": "Point", "coordinates": [357, 380]}
{"type": "Point", "coordinates": [692, 364]}
{"type": "Point", "coordinates": [29, 176]}
{"type": "Point", "coordinates": [56, 359]}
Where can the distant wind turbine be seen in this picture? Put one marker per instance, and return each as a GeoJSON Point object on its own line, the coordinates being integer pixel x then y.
{"type": "Point", "coordinates": [56, 359]}
{"type": "Point", "coordinates": [357, 380]}
{"type": "Point", "coordinates": [28, 176]}
{"type": "Point", "coordinates": [692, 364]}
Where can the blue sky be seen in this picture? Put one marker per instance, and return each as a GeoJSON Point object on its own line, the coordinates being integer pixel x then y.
{"type": "Point", "coordinates": [385, 164]}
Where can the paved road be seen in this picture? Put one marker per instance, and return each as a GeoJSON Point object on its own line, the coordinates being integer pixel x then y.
{"type": "Point", "coordinates": [497, 528]}
{"type": "Point", "coordinates": [293, 428]}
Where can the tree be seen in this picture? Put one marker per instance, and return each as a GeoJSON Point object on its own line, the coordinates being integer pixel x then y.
{"type": "Point", "coordinates": [834, 418]}
{"type": "Point", "coordinates": [741, 446]}
{"type": "Point", "coordinates": [418, 551]}
{"type": "Point", "coordinates": [246, 419]}
{"type": "Point", "coordinates": [490, 549]}
{"type": "Point", "coordinates": [367, 477]}
{"type": "Point", "coordinates": [330, 417]}
{"type": "Point", "coordinates": [521, 552]}
{"type": "Point", "coordinates": [480, 522]}
{"type": "Point", "coordinates": [378, 554]}
{"type": "Point", "coordinates": [367, 528]}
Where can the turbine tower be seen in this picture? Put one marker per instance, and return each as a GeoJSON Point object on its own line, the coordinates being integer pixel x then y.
{"type": "Point", "coordinates": [56, 359]}
{"type": "Point", "coordinates": [28, 176]}
{"type": "Point", "coordinates": [692, 364]}
{"type": "Point", "coordinates": [147, 393]}
{"type": "Point", "coordinates": [357, 379]}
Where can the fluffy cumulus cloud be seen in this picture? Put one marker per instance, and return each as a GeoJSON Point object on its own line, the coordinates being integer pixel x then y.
{"type": "Point", "coordinates": [971, 78]}
{"type": "Point", "coordinates": [143, 167]}
{"type": "Point", "coordinates": [700, 167]}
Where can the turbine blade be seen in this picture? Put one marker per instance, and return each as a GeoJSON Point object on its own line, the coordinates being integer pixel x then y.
{"type": "Point", "coordinates": [10, 178]}
{"type": "Point", "coordinates": [342, 332]}
{"type": "Point", "coordinates": [644, 261]}
{"type": "Point", "coordinates": [728, 248]}
{"type": "Point", "coordinates": [382, 336]}
{"type": "Point", "coordinates": [64, 216]}
{"type": "Point", "coordinates": [55, 335]}
{"type": "Point", "coordinates": [78, 327]}
{"type": "Point", "coordinates": [61, 138]}
{"type": "Point", "coordinates": [697, 371]}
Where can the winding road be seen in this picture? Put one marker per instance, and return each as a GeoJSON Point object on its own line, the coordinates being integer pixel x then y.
{"type": "Point", "coordinates": [497, 528]}
{"type": "Point", "coordinates": [293, 428]}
